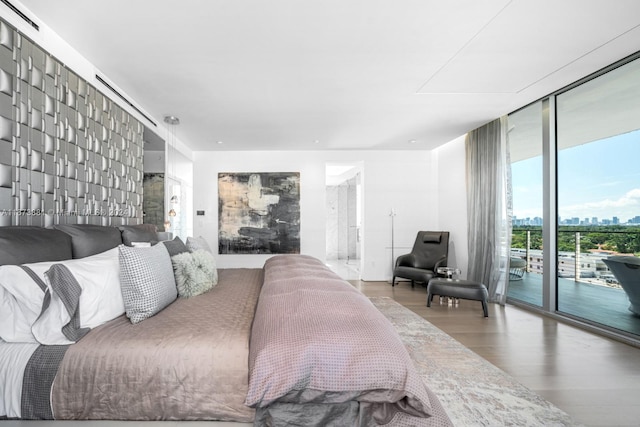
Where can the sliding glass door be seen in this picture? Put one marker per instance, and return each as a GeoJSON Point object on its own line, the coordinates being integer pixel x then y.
{"type": "Point", "coordinates": [575, 161]}
{"type": "Point", "coordinates": [525, 146]}
{"type": "Point", "coordinates": [598, 194]}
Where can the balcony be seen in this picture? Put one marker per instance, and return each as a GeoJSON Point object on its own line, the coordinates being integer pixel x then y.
{"type": "Point", "coordinates": [586, 288]}
{"type": "Point", "coordinates": [596, 303]}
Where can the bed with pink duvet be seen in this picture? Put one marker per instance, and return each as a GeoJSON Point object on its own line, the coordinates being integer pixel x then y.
{"type": "Point", "coordinates": [288, 344]}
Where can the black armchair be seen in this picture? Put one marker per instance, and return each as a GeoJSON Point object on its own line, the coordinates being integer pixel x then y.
{"type": "Point", "coordinates": [429, 252]}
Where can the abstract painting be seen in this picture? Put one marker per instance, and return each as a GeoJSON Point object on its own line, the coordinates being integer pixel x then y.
{"type": "Point", "coordinates": [259, 213]}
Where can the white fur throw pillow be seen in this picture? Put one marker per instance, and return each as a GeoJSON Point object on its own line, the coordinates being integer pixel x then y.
{"type": "Point", "coordinates": [195, 272]}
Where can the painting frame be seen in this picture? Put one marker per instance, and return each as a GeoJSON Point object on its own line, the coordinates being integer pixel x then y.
{"type": "Point", "coordinates": [258, 213]}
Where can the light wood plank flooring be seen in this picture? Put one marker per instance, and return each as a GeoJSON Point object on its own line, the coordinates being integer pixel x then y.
{"type": "Point", "coordinates": [594, 379]}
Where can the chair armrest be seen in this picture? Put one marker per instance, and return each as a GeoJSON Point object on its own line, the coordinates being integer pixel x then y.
{"type": "Point", "coordinates": [442, 262]}
{"type": "Point", "coordinates": [407, 260]}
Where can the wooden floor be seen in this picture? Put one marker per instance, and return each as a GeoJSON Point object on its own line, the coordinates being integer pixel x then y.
{"type": "Point", "coordinates": [594, 379]}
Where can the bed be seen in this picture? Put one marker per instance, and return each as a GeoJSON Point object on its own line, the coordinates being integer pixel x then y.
{"type": "Point", "coordinates": [288, 344]}
{"type": "Point", "coordinates": [321, 354]}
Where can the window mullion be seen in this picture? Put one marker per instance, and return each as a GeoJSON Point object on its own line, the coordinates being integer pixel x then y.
{"type": "Point", "coordinates": [549, 206]}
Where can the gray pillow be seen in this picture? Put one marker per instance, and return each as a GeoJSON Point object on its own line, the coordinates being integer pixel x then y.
{"type": "Point", "coordinates": [139, 233]}
{"type": "Point", "coordinates": [195, 243]}
{"type": "Point", "coordinates": [175, 246]}
{"type": "Point", "coordinates": [27, 244]}
{"type": "Point", "coordinates": [147, 281]}
{"type": "Point", "coordinates": [88, 239]}
{"type": "Point", "coordinates": [195, 272]}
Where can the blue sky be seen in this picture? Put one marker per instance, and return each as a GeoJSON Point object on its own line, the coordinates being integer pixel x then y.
{"type": "Point", "coordinates": [600, 179]}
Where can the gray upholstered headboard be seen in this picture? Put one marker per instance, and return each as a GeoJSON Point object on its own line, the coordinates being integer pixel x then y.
{"type": "Point", "coordinates": [89, 239]}
{"type": "Point", "coordinates": [24, 244]}
{"type": "Point", "coordinates": [28, 244]}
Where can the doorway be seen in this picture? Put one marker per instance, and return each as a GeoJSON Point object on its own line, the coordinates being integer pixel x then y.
{"type": "Point", "coordinates": [344, 218]}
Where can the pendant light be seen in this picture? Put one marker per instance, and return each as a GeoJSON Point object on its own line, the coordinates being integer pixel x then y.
{"type": "Point", "coordinates": [172, 121]}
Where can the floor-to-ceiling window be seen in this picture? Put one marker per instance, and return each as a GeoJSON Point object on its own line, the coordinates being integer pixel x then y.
{"type": "Point", "coordinates": [598, 182]}
{"type": "Point", "coordinates": [576, 159]}
{"type": "Point", "coordinates": [525, 146]}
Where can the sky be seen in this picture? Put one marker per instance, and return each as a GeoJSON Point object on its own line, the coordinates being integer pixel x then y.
{"type": "Point", "coordinates": [598, 179]}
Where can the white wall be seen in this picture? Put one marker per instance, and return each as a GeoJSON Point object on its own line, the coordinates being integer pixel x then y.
{"type": "Point", "coordinates": [390, 179]}
{"type": "Point", "coordinates": [449, 164]}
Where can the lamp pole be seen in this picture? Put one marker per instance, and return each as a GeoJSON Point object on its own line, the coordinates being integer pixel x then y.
{"type": "Point", "coordinates": [392, 214]}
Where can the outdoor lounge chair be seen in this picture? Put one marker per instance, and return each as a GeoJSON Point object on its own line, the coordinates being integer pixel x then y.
{"type": "Point", "coordinates": [627, 271]}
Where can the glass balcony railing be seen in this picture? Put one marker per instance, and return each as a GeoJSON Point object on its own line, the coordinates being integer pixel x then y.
{"type": "Point", "coordinates": [580, 252]}
{"type": "Point", "coordinates": [586, 288]}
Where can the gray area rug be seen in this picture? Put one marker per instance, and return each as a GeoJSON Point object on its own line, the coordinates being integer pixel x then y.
{"type": "Point", "coordinates": [473, 391]}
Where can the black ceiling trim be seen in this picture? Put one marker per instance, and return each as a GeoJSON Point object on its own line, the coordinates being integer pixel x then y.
{"type": "Point", "coordinates": [21, 15]}
{"type": "Point", "coordinates": [104, 82]}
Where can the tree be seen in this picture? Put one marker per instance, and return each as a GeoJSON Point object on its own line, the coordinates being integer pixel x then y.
{"type": "Point", "coordinates": [617, 238]}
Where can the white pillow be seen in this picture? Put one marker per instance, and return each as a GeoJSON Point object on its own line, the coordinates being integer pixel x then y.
{"type": "Point", "coordinates": [147, 281]}
{"type": "Point", "coordinates": [141, 244]}
{"type": "Point", "coordinates": [98, 299]}
{"type": "Point", "coordinates": [197, 243]}
{"type": "Point", "coordinates": [91, 285]}
{"type": "Point", "coordinates": [21, 300]}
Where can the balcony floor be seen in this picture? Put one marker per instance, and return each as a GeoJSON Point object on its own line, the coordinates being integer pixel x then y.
{"type": "Point", "coordinates": [596, 303]}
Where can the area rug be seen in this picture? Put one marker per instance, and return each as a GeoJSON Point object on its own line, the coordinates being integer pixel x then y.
{"type": "Point", "coordinates": [473, 391]}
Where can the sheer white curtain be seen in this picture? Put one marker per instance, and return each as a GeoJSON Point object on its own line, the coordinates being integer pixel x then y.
{"type": "Point", "coordinates": [489, 205]}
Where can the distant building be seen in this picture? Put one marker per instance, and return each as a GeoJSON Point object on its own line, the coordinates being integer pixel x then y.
{"type": "Point", "coordinates": [538, 222]}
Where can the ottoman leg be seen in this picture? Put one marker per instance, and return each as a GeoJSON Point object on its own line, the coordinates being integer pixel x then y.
{"type": "Point", "coordinates": [429, 298]}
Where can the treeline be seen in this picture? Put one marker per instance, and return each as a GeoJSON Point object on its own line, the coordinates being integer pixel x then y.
{"type": "Point", "coordinates": [618, 238]}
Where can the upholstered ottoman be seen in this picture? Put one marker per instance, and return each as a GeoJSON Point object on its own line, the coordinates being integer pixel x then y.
{"type": "Point", "coordinates": [455, 288]}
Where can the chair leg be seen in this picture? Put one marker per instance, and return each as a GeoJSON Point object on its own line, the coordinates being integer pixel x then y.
{"type": "Point", "coordinates": [412, 283]}
{"type": "Point", "coordinates": [393, 281]}
{"type": "Point", "coordinates": [484, 308]}
{"type": "Point", "coordinates": [429, 299]}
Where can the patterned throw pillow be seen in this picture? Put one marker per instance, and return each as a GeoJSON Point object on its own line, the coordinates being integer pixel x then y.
{"type": "Point", "coordinates": [147, 281]}
{"type": "Point", "coordinates": [195, 243]}
{"type": "Point", "coordinates": [195, 272]}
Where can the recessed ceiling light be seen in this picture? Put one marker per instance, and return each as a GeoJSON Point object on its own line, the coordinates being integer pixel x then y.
{"type": "Point", "coordinates": [317, 141]}
{"type": "Point", "coordinates": [218, 142]}
{"type": "Point", "coordinates": [412, 141]}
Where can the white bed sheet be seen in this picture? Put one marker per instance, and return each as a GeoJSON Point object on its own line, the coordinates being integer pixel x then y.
{"type": "Point", "coordinates": [13, 361]}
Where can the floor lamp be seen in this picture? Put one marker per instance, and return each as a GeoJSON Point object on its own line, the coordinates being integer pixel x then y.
{"type": "Point", "coordinates": [392, 214]}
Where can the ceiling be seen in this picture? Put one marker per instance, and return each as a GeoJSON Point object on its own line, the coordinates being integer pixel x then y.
{"type": "Point", "coordinates": [339, 74]}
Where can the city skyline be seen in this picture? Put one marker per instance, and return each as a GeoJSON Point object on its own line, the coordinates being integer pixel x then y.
{"type": "Point", "coordinates": [538, 221]}
{"type": "Point", "coordinates": [598, 179]}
